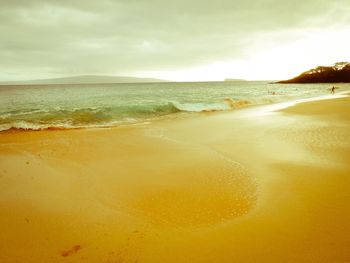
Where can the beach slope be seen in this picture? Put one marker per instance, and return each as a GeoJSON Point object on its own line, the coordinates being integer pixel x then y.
{"type": "Point", "coordinates": [224, 187]}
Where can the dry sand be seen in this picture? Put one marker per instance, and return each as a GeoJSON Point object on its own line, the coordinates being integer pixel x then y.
{"type": "Point", "coordinates": [227, 187]}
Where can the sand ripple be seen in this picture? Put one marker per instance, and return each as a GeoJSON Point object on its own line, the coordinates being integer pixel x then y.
{"type": "Point", "coordinates": [205, 196]}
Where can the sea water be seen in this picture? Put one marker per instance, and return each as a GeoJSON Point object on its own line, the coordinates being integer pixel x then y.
{"type": "Point", "coordinates": [37, 107]}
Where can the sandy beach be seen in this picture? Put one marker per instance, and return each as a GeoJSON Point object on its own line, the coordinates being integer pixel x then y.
{"type": "Point", "coordinates": [216, 187]}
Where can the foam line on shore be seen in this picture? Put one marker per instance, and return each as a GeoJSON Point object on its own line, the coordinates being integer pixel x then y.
{"type": "Point", "coordinates": [274, 108]}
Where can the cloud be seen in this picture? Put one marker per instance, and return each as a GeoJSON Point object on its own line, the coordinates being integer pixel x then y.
{"type": "Point", "coordinates": [54, 38]}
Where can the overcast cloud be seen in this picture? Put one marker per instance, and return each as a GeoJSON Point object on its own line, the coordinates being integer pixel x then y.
{"type": "Point", "coordinates": [54, 38]}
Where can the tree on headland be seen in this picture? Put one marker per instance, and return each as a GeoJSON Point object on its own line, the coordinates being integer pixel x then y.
{"type": "Point", "coordinates": [339, 72]}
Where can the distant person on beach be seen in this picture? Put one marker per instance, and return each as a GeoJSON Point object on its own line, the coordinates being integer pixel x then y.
{"type": "Point", "coordinates": [333, 90]}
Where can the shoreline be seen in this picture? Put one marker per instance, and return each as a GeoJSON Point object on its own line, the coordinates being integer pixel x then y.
{"type": "Point", "coordinates": [234, 186]}
{"type": "Point", "coordinates": [264, 108]}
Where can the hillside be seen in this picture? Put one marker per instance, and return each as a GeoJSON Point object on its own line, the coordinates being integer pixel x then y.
{"type": "Point", "coordinates": [86, 79]}
{"type": "Point", "coordinates": [339, 72]}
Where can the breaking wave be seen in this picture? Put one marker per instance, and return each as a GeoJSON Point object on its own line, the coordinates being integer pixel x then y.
{"type": "Point", "coordinates": [57, 118]}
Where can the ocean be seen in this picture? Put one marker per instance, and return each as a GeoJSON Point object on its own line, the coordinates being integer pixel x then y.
{"type": "Point", "coordinates": [38, 107]}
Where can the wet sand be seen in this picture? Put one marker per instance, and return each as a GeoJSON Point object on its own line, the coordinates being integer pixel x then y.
{"type": "Point", "coordinates": [223, 187]}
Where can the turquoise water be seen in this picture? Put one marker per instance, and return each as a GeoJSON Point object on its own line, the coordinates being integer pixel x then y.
{"type": "Point", "coordinates": [99, 105]}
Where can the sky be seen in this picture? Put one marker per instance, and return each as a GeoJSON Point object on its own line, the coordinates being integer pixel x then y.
{"type": "Point", "coordinates": [182, 40]}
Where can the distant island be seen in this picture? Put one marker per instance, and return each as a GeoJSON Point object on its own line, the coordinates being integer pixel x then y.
{"type": "Point", "coordinates": [84, 79]}
{"type": "Point", "coordinates": [339, 72]}
{"type": "Point", "coordinates": [235, 80]}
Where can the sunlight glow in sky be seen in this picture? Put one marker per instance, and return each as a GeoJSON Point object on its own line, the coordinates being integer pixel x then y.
{"type": "Point", "coordinates": [319, 47]}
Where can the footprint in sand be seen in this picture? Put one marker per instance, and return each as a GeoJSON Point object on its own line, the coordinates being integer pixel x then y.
{"type": "Point", "coordinates": [73, 250]}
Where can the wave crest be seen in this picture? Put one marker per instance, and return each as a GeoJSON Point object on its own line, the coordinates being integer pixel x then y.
{"type": "Point", "coordinates": [58, 118]}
